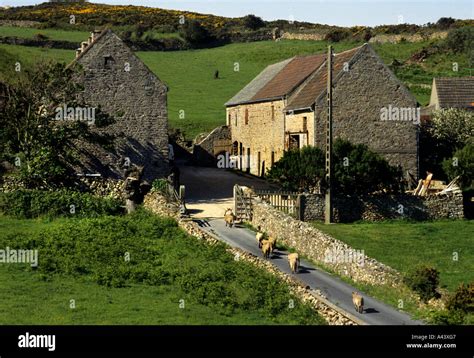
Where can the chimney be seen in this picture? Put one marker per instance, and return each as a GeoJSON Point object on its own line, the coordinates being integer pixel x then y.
{"type": "Point", "coordinates": [95, 34]}
{"type": "Point", "coordinates": [89, 40]}
{"type": "Point", "coordinates": [83, 46]}
{"type": "Point", "coordinates": [78, 52]}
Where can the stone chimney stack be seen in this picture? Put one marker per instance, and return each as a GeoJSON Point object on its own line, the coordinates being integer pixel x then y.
{"type": "Point", "coordinates": [87, 43]}
{"type": "Point", "coordinates": [94, 34]}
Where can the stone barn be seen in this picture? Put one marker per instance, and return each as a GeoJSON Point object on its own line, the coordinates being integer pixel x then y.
{"type": "Point", "coordinates": [121, 85]}
{"type": "Point", "coordinates": [285, 107]}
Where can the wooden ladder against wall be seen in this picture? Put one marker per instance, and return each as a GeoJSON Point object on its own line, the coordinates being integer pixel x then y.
{"type": "Point", "coordinates": [242, 204]}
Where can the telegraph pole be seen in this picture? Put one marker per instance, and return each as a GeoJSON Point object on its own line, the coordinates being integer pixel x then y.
{"type": "Point", "coordinates": [328, 208]}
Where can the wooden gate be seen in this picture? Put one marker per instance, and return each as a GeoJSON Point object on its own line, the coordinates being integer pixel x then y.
{"type": "Point", "coordinates": [288, 202]}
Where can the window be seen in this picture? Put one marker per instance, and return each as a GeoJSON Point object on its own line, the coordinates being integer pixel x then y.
{"type": "Point", "coordinates": [273, 158]}
{"type": "Point", "coordinates": [294, 141]}
{"type": "Point", "coordinates": [246, 116]}
{"type": "Point", "coordinates": [109, 62]}
{"type": "Point", "coordinates": [235, 118]}
{"type": "Point", "coordinates": [305, 124]}
{"type": "Point", "coordinates": [273, 112]}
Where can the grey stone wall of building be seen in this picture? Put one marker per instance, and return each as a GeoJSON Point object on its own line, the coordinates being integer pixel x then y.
{"type": "Point", "coordinates": [384, 207]}
{"type": "Point", "coordinates": [205, 151]}
{"type": "Point", "coordinates": [121, 85]}
{"type": "Point", "coordinates": [358, 97]}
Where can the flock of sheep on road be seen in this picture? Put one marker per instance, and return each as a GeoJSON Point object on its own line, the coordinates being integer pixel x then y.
{"type": "Point", "coordinates": [268, 245]}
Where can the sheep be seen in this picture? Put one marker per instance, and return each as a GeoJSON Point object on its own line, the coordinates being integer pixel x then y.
{"type": "Point", "coordinates": [229, 217]}
{"type": "Point", "coordinates": [266, 249]}
{"type": "Point", "coordinates": [358, 302]}
{"type": "Point", "coordinates": [259, 236]}
{"type": "Point", "coordinates": [294, 262]}
{"type": "Point", "coordinates": [272, 242]}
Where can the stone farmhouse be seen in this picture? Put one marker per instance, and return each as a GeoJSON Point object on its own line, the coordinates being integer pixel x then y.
{"type": "Point", "coordinates": [121, 85]}
{"type": "Point", "coordinates": [285, 107]}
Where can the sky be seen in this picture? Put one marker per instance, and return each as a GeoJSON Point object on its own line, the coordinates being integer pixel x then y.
{"type": "Point", "coordinates": [332, 12]}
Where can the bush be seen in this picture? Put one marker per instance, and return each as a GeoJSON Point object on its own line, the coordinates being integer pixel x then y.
{"type": "Point", "coordinates": [448, 318]}
{"type": "Point", "coordinates": [424, 281]}
{"type": "Point", "coordinates": [462, 164]}
{"type": "Point", "coordinates": [356, 169]}
{"type": "Point", "coordinates": [461, 39]}
{"type": "Point", "coordinates": [194, 33]}
{"type": "Point", "coordinates": [462, 299]}
{"type": "Point", "coordinates": [445, 23]}
{"type": "Point", "coordinates": [453, 126]}
{"type": "Point", "coordinates": [40, 36]}
{"type": "Point", "coordinates": [299, 169]}
{"type": "Point", "coordinates": [37, 203]}
{"type": "Point", "coordinates": [160, 185]}
{"type": "Point", "coordinates": [159, 253]}
{"type": "Point", "coordinates": [337, 35]}
{"type": "Point", "coordinates": [253, 22]}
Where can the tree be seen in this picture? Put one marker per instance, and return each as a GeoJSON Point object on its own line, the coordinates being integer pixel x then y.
{"type": "Point", "coordinates": [357, 170]}
{"type": "Point", "coordinates": [337, 35]}
{"type": "Point", "coordinates": [194, 33]}
{"type": "Point", "coordinates": [462, 164]}
{"type": "Point", "coordinates": [253, 22]}
{"type": "Point", "coordinates": [445, 22]}
{"type": "Point", "coordinates": [461, 39]}
{"type": "Point", "coordinates": [299, 169]}
{"type": "Point", "coordinates": [33, 137]}
{"type": "Point", "coordinates": [453, 126]}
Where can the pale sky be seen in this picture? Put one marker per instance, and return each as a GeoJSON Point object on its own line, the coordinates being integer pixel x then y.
{"type": "Point", "coordinates": [332, 12]}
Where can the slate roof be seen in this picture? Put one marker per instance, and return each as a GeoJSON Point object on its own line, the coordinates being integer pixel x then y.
{"type": "Point", "coordinates": [250, 90]}
{"type": "Point", "coordinates": [455, 92]}
{"type": "Point", "coordinates": [301, 79]}
{"type": "Point", "coordinates": [317, 83]}
{"type": "Point", "coordinates": [290, 77]}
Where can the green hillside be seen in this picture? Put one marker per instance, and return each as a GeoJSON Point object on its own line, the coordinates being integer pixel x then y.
{"type": "Point", "coordinates": [200, 98]}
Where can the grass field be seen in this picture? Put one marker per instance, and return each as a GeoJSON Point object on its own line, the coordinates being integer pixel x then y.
{"type": "Point", "coordinates": [52, 34]}
{"type": "Point", "coordinates": [82, 260]}
{"type": "Point", "coordinates": [196, 100]}
{"type": "Point", "coordinates": [27, 299]}
{"type": "Point", "coordinates": [404, 245]}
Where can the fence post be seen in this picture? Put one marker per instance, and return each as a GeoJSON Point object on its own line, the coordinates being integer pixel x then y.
{"type": "Point", "coordinates": [235, 199]}
{"type": "Point", "coordinates": [182, 192]}
{"type": "Point", "coordinates": [300, 207]}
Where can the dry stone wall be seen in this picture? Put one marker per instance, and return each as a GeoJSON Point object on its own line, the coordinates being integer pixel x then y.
{"type": "Point", "coordinates": [322, 248]}
{"type": "Point", "coordinates": [384, 207]}
{"type": "Point", "coordinates": [331, 313]}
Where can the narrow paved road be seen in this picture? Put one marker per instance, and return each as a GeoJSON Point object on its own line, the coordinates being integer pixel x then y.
{"type": "Point", "coordinates": [335, 290]}
{"type": "Point", "coordinates": [209, 191]}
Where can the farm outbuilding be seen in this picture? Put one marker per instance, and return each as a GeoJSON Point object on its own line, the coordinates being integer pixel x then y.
{"type": "Point", "coordinates": [285, 107]}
